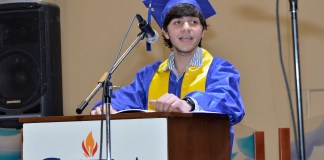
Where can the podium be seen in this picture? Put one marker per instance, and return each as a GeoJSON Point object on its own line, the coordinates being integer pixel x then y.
{"type": "Point", "coordinates": [142, 136]}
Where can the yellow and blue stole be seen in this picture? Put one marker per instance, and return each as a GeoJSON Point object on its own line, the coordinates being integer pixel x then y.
{"type": "Point", "coordinates": [194, 79]}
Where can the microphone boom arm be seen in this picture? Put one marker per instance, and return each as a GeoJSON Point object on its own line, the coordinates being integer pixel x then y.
{"type": "Point", "coordinates": [125, 54]}
{"type": "Point", "coordinates": [85, 103]}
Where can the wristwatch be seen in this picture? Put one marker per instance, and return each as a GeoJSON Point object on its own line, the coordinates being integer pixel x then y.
{"type": "Point", "coordinates": [190, 102]}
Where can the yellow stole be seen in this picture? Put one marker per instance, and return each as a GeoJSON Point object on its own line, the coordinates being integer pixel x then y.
{"type": "Point", "coordinates": [194, 79]}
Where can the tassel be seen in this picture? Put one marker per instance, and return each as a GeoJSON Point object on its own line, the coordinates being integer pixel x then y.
{"type": "Point", "coordinates": [148, 45]}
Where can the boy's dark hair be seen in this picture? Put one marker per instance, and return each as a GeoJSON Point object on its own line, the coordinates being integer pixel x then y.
{"type": "Point", "coordinates": [179, 11]}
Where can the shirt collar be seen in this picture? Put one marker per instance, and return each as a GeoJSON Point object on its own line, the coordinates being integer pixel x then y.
{"type": "Point", "coordinates": [195, 61]}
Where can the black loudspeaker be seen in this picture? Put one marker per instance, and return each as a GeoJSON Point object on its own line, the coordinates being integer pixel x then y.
{"type": "Point", "coordinates": [30, 62]}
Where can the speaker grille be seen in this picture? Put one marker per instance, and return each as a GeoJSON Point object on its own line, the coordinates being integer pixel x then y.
{"type": "Point", "coordinates": [19, 79]}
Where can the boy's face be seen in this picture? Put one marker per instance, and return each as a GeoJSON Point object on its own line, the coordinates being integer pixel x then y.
{"type": "Point", "coordinates": [185, 34]}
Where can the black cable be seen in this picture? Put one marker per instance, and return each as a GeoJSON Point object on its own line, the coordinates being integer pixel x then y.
{"type": "Point", "coordinates": [285, 75]}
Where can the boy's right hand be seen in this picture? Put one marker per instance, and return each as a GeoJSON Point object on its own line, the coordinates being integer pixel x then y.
{"type": "Point", "coordinates": [98, 111]}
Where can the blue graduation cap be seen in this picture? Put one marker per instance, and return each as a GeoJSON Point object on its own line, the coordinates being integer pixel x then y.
{"type": "Point", "coordinates": [160, 8]}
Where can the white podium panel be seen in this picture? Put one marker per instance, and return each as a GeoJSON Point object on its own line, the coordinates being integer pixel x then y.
{"type": "Point", "coordinates": [144, 139]}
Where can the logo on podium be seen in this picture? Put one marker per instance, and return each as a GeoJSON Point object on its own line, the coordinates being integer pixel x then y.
{"type": "Point", "coordinates": [89, 146]}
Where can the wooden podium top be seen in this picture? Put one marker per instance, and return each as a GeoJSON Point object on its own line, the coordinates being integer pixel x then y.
{"type": "Point", "coordinates": [134, 115]}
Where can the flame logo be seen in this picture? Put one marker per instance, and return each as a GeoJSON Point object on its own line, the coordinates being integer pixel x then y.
{"type": "Point", "coordinates": [89, 147]}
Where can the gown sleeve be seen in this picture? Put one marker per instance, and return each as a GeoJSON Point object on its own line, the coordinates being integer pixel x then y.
{"type": "Point", "coordinates": [222, 93]}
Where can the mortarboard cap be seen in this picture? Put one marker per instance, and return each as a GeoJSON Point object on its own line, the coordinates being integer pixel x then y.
{"type": "Point", "coordinates": [160, 8]}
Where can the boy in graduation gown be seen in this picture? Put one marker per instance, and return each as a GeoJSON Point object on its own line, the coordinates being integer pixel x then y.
{"type": "Point", "coordinates": [191, 79]}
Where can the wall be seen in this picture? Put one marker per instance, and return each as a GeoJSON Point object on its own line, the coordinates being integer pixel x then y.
{"type": "Point", "coordinates": [244, 32]}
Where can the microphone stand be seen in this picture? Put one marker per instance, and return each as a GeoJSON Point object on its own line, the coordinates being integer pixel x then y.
{"type": "Point", "coordinates": [107, 90]}
{"type": "Point", "coordinates": [301, 142]}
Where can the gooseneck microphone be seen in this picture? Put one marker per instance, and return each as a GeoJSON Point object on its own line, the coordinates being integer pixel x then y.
{"type": "Point", "coordinates": [151, 35]}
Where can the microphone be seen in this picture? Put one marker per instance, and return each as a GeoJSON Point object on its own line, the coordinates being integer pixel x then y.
{"type": "Point", "coordinates": [151, 35]}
